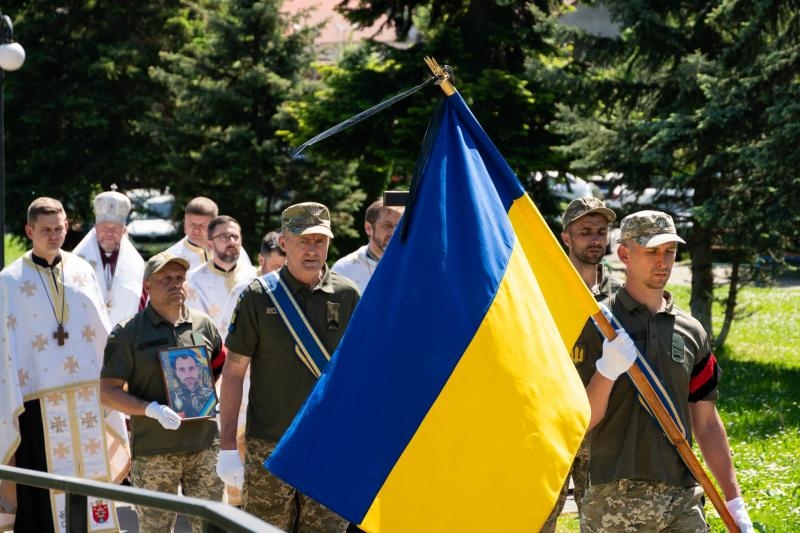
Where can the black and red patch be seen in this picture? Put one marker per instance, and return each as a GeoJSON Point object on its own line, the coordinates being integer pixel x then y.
{"type": "Point", "coordinates": [705, 377]}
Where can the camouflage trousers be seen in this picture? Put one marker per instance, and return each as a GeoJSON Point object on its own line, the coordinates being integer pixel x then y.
{"type": "Point", "coordinates": [275, 502]}
{"type": "Point", "coordinates": [642, 505]}
{"type": "Point", "coordinates": [580, 481]}
{"type": "Point", "coordinates": [195, 472]}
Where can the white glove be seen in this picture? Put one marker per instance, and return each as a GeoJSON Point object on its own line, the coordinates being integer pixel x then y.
{"type": "Point", "coordinates": [230, 468]}
{"type": "Point", "coordinates": [165, 416]}
{"type": "Point", "coordinates": [618, 356]}
{"type": "Point", "coordinates": [740, 516]}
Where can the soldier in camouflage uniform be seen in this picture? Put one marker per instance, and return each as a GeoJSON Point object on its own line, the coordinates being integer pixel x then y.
{"type": "Point", "coordinates": [259, 339]}
{"type": "Point", "coordinates": [193, 396]}
{"type": "Point", "coordinates": [585, 225]}
{"type": "Point", "coordinates": [167, 451]}
{"type": "Point", "coordinates": [637, 480]}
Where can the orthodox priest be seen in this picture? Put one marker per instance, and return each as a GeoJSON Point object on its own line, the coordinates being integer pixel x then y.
{"type": "Point", "coordinates": [195, 246]}
{"type": "Point", "coordinates": [52, 336]}
{"type": "Point", "coordinates": [118, 267]}
{"type": "Point", "coordinates": [215, 286]}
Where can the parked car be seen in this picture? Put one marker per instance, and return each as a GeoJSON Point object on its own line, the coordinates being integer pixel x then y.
{"type": "Point", "coordinates": [606, 183]}
{"type": "Point", "coordinates": [676, 202]}
{"type": "Point", "coordinates": [566, 187]}
{"type": "Point", "coordinates": [150, 225]}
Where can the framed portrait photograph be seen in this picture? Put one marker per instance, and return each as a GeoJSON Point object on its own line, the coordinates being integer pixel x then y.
{"type": "Point", "coordinates": [190, 385]}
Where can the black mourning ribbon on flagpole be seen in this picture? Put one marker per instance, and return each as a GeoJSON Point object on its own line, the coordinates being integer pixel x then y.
{"type": "Point", "coordinates": [355, 119]}
{"type": "Point", "coordinates": [430, 135]}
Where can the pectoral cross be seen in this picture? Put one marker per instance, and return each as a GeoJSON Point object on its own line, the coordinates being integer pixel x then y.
{"type": "Point", "coordinates": [60, 334]}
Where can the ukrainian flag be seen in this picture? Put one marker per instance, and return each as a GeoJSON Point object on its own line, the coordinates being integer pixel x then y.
{"type": "Point", "coordinates": [451, 403]}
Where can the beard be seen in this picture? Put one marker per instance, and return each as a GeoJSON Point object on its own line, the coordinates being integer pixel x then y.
{"type": "Point", "coordinates": [108, 246]}
{"type": "Point", "coordinates": [590, 256]}
{"type": "Point", "coordinates": [230, 255]}
{"type": "Point", "coordinates": [381, 244]}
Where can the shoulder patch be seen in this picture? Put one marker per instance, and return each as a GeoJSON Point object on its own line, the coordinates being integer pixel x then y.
{"type": "Point", "coordinates": [578, 354]}
{"type": "Point", "coordinates": [332, 320]}
{"type": "Point", "coordinates": [678, 348]}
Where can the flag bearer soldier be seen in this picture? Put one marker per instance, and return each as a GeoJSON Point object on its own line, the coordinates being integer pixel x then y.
{"type": "Point", "coordinates": [637, 480]}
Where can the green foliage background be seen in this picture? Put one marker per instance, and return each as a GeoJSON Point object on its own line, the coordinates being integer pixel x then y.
{"type": "Point", "coordinates": [210, 96]}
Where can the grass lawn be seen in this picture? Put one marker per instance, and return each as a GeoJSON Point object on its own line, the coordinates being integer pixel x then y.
{"type": "Point", "coordinates": [15, 247]}
{"type": "Point", "coordinates": [759, 403]}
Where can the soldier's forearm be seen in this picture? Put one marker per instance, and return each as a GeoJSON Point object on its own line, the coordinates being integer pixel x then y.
{"type": "Point", "coordinates": [230, 402]}
{"type": "Point", "coordinates": [113, 396]}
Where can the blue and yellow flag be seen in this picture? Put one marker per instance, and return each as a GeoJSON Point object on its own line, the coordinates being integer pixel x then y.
{"type": "Point", "coordinates": [451, 403]}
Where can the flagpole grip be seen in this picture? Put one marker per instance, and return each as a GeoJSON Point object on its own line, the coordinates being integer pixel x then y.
{"type": "Point", "coordinates": [673, 433]}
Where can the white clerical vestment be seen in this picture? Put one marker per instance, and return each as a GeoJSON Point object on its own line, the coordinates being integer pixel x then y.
{"type": "Point", "coordinates": [358, 266]}
{"type": "Point", "coordinates": [52, 335]}
{"type": "Point", "coordinates": [198, 256]}
{"type": "Point", "coordinates": [211, 290]}
{"type": "Point", "coordinates": [121, 289]}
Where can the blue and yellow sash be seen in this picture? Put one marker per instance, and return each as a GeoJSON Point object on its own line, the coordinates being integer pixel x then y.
{"type": "Point", "coordinates": [307, 345]}
{"type": "Point", "coordinates": [655, 382]}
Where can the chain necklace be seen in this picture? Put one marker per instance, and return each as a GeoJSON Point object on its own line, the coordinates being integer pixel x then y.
{"type": "Point", "coordinates": [59, 334]}
{"type": "Point", "coordinates": [108, 274]}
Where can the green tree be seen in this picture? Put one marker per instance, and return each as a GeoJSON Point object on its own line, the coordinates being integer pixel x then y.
{"type": "Point", "coordinates": [491, 46]}
{"type": "Point", "coordinates": [69, 108]}
{"type": "Point", "coordinates": [697, 95]}
{"type": "Point", "coordinates": [223, 128]}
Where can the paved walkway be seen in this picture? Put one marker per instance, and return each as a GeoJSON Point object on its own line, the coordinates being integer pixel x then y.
{"type": "Point", "coordinates": [128, 522]}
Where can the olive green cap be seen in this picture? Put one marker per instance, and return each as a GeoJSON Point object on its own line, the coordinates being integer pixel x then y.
{"type": "Point", "coordinates": [305, 218]}
{"type": "Point", "coordinates": [159, 261]}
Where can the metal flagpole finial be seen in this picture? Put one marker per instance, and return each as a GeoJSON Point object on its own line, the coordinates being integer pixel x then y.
{"type": "Point", "coordinates": [442, 74]}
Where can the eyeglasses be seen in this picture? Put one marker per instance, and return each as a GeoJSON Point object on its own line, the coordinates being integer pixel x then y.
{"type": "Point", "coordinates": [227, 237]}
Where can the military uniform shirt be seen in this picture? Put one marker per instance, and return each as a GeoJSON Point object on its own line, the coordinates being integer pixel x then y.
{"type": "Point", "coordinates": [279, 381]}
{"type": "Point", "coordinates": [131, 354]}
{"type": "Point", "coordinates": [627, 443]}
{"type": "Point", "coordinates": [190, 404]}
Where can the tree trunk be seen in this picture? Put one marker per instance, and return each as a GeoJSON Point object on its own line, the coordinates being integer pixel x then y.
{"type": "Point", "coordinates": [730, 306]}
{"type": "Point", "coordinates": [702, 276]}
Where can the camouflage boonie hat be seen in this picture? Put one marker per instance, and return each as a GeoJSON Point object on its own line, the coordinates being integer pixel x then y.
{"type": "Point", "coordinates": [305, 218]}
{"type": "Point", "coordinates": [159, 261]}
{"type": "Point", "coordinates": [649, 228]}
{"type": "Point", "coordinates": [584, 206]}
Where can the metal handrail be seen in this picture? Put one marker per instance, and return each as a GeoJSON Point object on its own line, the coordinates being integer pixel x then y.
{"type": "Point", "coordinates": [217, 516]}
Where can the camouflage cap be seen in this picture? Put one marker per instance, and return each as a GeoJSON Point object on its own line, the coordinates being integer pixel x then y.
{"type": "Point", "coordinates": [159, 261]}
{"type": "Point", "coordinates": [305, 218]}
{"type": "Point", "coordinates": [649, 228]}
{"type": "Point", "coordinates": [585, 206]}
